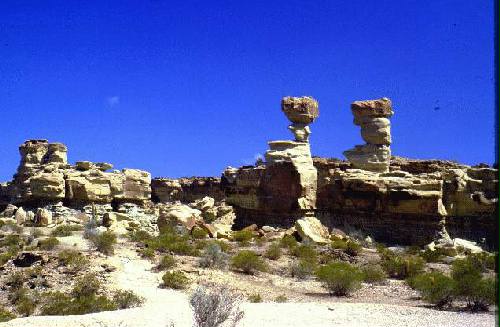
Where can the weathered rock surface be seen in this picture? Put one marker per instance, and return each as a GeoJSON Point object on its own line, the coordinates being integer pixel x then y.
{"type": "Point", "coordinates": [311, 229]}
{"type": "Point", "coordinates": [44, 176]}
{"type": "Point", "coordinates": [186, 190]}
{"type": "Point", "coordinates": [372, 116]}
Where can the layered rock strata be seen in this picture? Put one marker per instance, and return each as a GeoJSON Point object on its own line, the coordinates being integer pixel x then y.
{"type": "Point", "coordinates": [186, 190]}
{"type": "Point", "coordinates": [372, 116]}
{"type": "Point", "coordinates": [44, 176]}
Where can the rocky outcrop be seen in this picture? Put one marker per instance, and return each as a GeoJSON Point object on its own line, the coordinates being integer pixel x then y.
{"type": "Point", "coordinates": [44, 176]}
{"type": "Point", "coordinates": [283, 188]}
{"type": "Point", "coordinates": [186, 189]}
{"type": "Point", "coordinates": [372, 116]}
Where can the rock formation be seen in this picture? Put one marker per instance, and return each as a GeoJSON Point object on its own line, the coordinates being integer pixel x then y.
{"type": "Point", "coordinates": [285, 187]}
{"type": "Point", "coordinates": [44, 176]}
{"type": "Point", "coordinates": [372, 116]}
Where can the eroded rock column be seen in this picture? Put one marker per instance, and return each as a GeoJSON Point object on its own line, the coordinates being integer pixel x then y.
{"type": "Point", "coordinates": [373, 118]}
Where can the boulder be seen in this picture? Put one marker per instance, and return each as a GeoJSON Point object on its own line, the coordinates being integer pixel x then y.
{"type": "Point", "coordinates": [311, 229]}
{"type": "Point", "coordinates": [111, 218]}
{"type": "Point", "coordinates": [43, 217]}
{"type": "Point", "coordinates": [179, 214]}
{"type": "Point", "coordinates": [20, 216]}
{"type": "Point", "coordinates": [203, 204]}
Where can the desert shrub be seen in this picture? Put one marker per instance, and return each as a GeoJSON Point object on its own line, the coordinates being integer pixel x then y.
{"type": "Point", "coordinates": [402, 266]}
{"type": "Point", "coordinates": [373, 273]}
{"type": "Point", "coordinates": [353, 248]}
{"type": "Point", "coordinates": [65, 230]}
{"type": "Point", "coordinates": [215, 306]}
{"type": "Point", "coordinates": [243, 236]}
{"type": "Point", "coordinates": [281, 299]}
{"type": "Point", "coordinates": [273, 251]}
{"type": "Point", "coordinates": [248, 262]}
{"type": "Point", "coordinates": [90, 228]}
{"type": "Point", "coordinates": [175, 280]}
{"type": "Point", "coordinates": [431, 256]}
{"type": "Point", "coordinates": [306, 252]}
{"type": "Point", "coordinates": [12, 240]}
{"type": "Point", "coordinates": [340, 278]}
{"type": "Point", "coordinates": [127, 299]}
{"type": "Point", "coordinates": [435, 288]}
{"type": "Point", "coordinates": [302, 268]}
{"type": "Point", "coordinates": [213, 257]}
{"type": "Point", "coordinates": [87, 285]}
{"type": "Point", "coordinates": [104, 242]}
{"type": "Point", "coordinates": [224, 246]}
{"type": "Point", "coordinates": [60, 304]}
{"type": "Point", "coordinates": [26, 305]}
{"type": "Point", "coordinates": [167, 262]}
{"type": "Point", "coordinates": [16, 279]}
{"type": "Point", "coordinates": [483, 261]}
{"type": "Point", "coordinates": [48, 243]}
{"type": "Point", "coordinates": [255, 298]}
{"type": "Point", "coordinates": [383, 250]}
{"type": "Point", "coordinates": [139, 235]}
{"type": "Point", "coordinates": [147, 253]}
{"type": "Point", "coordinates": [289, 242]}
{"type": "Point", "coordinates": [199, 233]}
{"type": "Point", "coordinates": [6, 315]}
{"type": "Point", "coordinates": [73, 260]}
{"type": "Point", "coordinates": [11, 252]}
{"type": "Point", "coordinates": [171, 241]}
{"type": "Point", "coordinates": [479, 292]}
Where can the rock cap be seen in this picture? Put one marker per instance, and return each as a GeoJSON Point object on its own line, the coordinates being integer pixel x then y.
{"type": "Point", "coordinates": [300, 110]}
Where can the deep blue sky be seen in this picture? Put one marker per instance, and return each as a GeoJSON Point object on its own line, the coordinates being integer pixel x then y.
{"type": "Point", "coordinates": [185, 88]}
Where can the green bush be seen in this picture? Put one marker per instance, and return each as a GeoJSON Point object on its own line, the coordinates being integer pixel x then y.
{"type": "Point", "coordinates": [350, 247]}
{"type": "Point", "coordinates": [340, 278]}
{"type": "Point", "coordinates": [139, 235]}
{"type": "Point", "coordinates": [199, 233]}
{"type": "Point", "coordinates": [167, 262]}
{"type": "Point", "coordinates": [170, 241]}
{"type": "Point", "coordinates": [73, 260]}
{"type": "Point", "coordinates": [306, 252]}
{"type": "Point", "coordinates": [65, 230]}
{"type": "Point", "coordinates": [273, 251]}
{"type": "Point", "coordinates": [11, 252]}
{"type": "Point", "coordinates": [435, 288]}
{"type": "Point", "coordinates": [402, 266]}
{"type": "Point", "coordinates": [104, 242]}
{"type": "Point", "coordinates": [6, 315]}
{"type": "Point", "coordinates": [243, 236]}
{"type": "Point", "coordinates": [48, 244]}
{"type": "Point", "coordinates": [147, 253]}
{"type": "Point", "coordinates": [255, 298]}
{"type": "Point", "coordinates": [302, 269]}
{"type": "Point", "coordinates": [484, 261]}
{"type": "Point", "coordinates": [127, 299]}
{"type": "Point", "coordinates": [12, 240]}
{"type": "Point", "coordinates": [16, 279]}
{"type": "Point", "coordinates": [87, 285]}
{"type": "Point", "coordinates": [289, 242]}
{"type": "Point", "coordinates": [26, 305]}
{"type": "Point", "coordinates": [479, 292]}
{"type": "Point", "coordinates": [373, 273]}
{"type": "Point", "coordinates": [60, 304]}
{"type": "Point", "coordinates": [175, 280]}
{"type": "Point", "coordinates": [248, 262]}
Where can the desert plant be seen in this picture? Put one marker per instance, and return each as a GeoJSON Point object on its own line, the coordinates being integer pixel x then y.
{"type": "Point", "coordinates": [171, 241]}
{"type": "Point", "coordinates": [248, 262]}
{"type": "Point", "coordinates": [199, 233]}
{"type": "Point", "coordinates": [302, 268]}
{"type": "Point", "coordinates": [65, 230]}
{"type": "Point", "coordinates": [273, 251]}
{"type": "Point", "coordinates": [255, 298]}
{"type": "Point", "coordinates": [402, 266]}
{"type": "Point", "coordinates": [26, 305]}
{"type": "Point", "coordinates": [11, 252]}
{"type": "Point", "coordinates": [373, 273]}
{"type": "Point", "coordinates": [147, 253]}
{"type": "Point", "coordinates": [306, 252]}
{"type": "Point", "coordinates": [6, 315]}
{"type": "Point", "coordinates": [139, 235]}
{"type": "Point", "coordinates": [167, 262]}
{"type": "Point", "coordinates": [127, 299]}
{"type": "Point", "coordinates": [213, 257]}
{"type": "Point", "coordinates": [87, 285]}
{"type": "Point", "coordinates": [73, 260]}
{"type": "Point", "coordinates": [175, 280]}
{"type": "Point", "coordinates": [243, 236]}
{"type": "Point", "coordinates": [340, 278]}
{"type": "Point", "coordinates": [479, 292]}
{"type": "Point", "coordinates": [16, 279]}
{"type": "Point", "coordinates": [48, 243]}
{"type": "Point", "coordinates": [104, 242]}
{"type": "Point", "coordinates": [60, 304]}
{"type": "Point", "coordinates": [214, 306]}
{"type": "Point", "coordinates": [435, 288]}
{"type": "Point", "coordinates": [281, 299]}
{"type": "Point", "coordinates": [289, 242]}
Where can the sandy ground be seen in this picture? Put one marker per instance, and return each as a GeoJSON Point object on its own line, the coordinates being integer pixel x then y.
{"type": "Point", "coordinates": [165, 307]}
